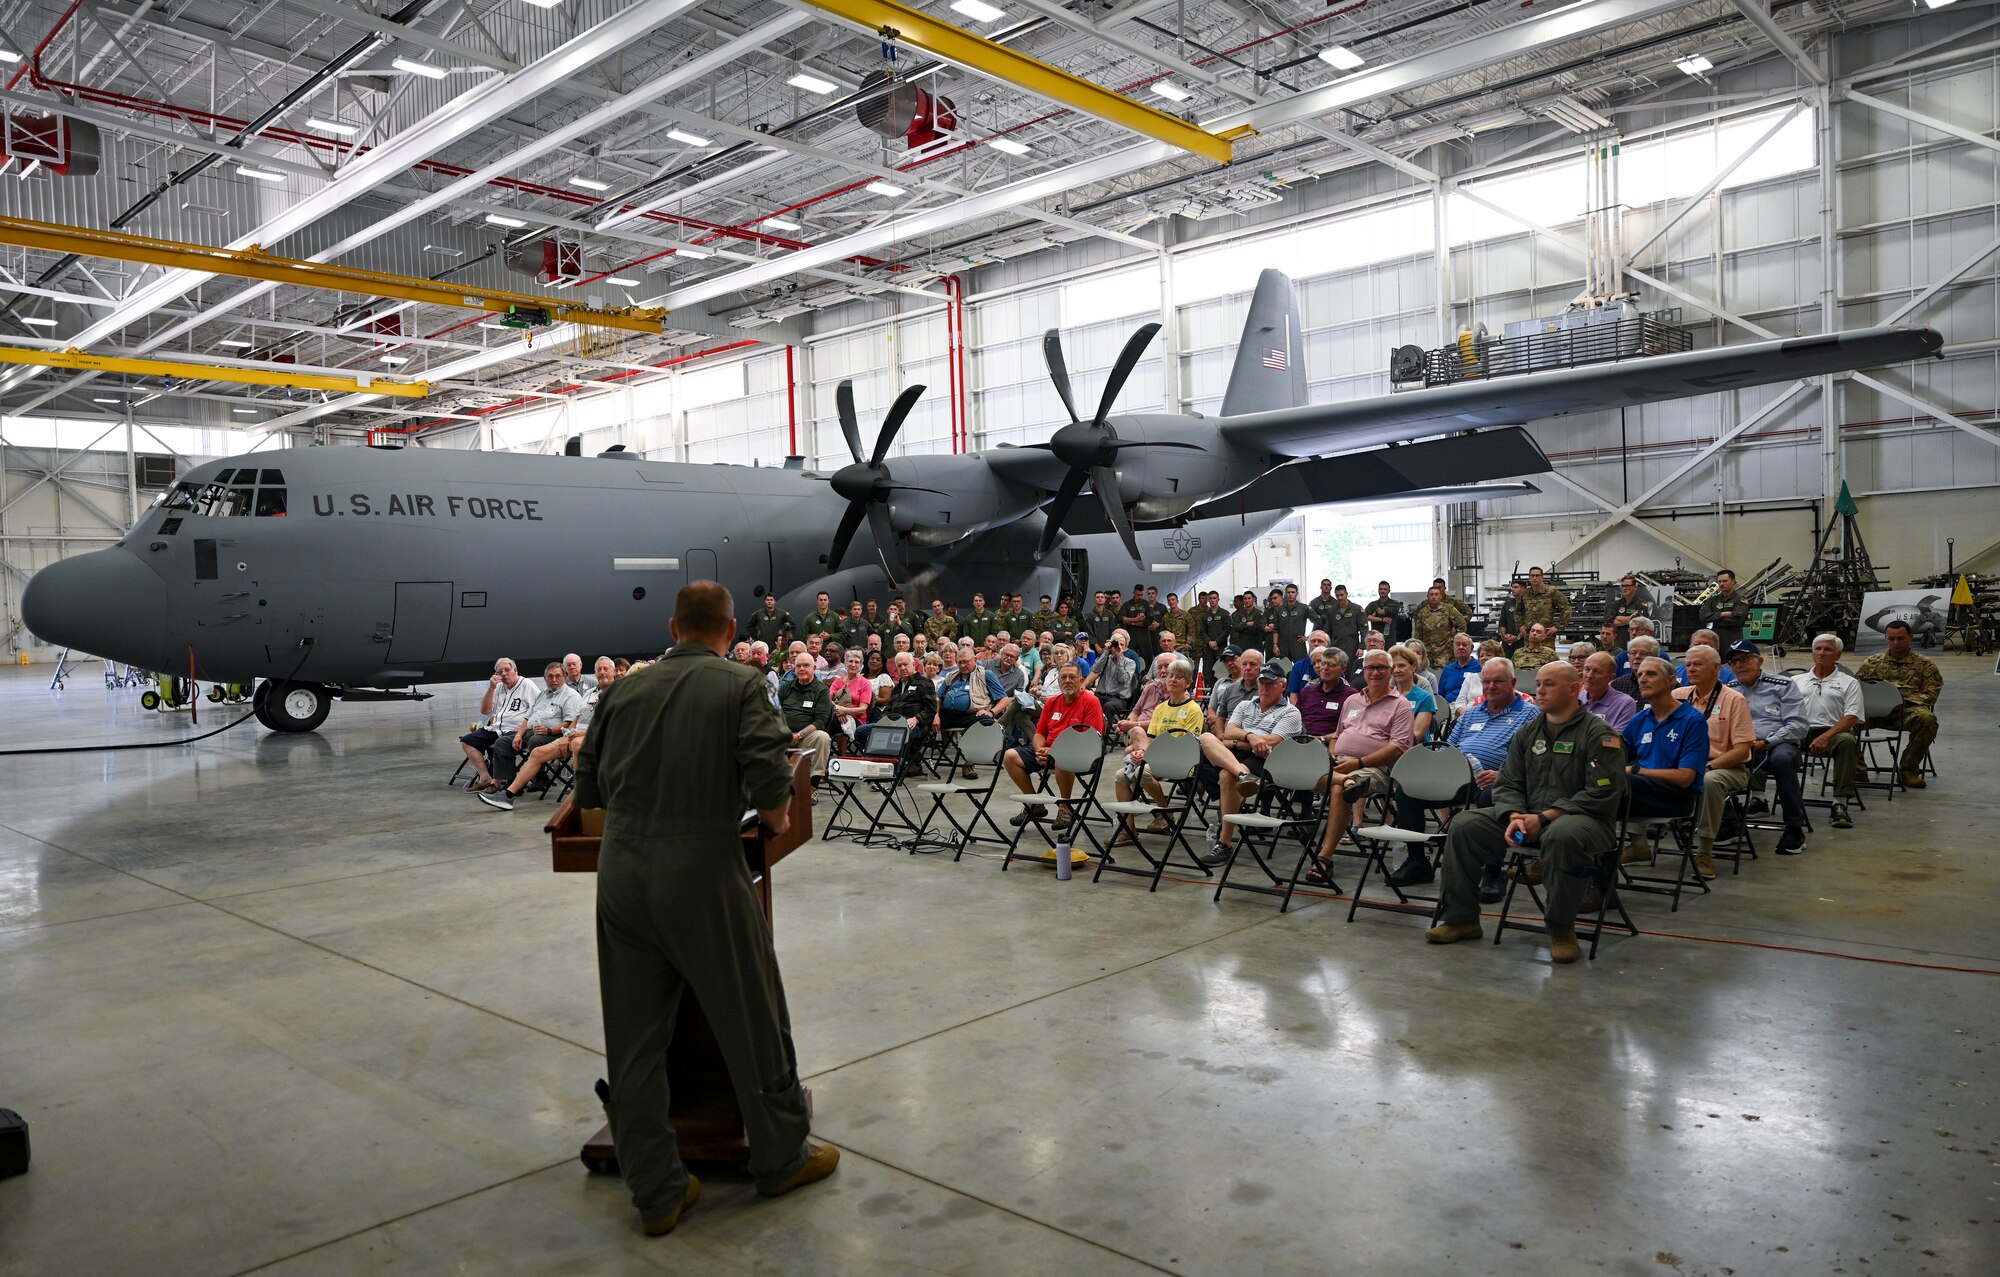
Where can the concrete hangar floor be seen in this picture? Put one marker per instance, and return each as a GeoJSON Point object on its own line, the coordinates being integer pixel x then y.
{"type": "Point", "coordinates": [290, 1005]}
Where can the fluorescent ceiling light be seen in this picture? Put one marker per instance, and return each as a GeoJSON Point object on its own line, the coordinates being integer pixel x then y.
{"type": "Point", "coordinates": [442, 251]}
{"type": "Point", "coordinates": [619, 281]}
{"type": "Point", "coordinates": [235, 343]}
{"type": "Point", "coordinates": [1694, 65]}
{"type": "Point", "coordinates": [884, 188]}
{"type": "Point", "coordinates": [244, 412]}
{"type": "Point", "coordinates": [691, 139]}
{"type": "Point", "coordinates": [487, 323]}
{"type": "Point", "coordinates": [546, 4]}
{"type": "Point", "coordinates": [1929, 4]}
{"type": "Point", "coordinates": [781, 223]}
{"type": "Point", "coordinates": [1008, 146]}
{"type": "Point", "coordinates": [978, 10]}
{"type": "Point", "coordinates": [589, 183]}
{"type": "Point", "coordinates": [261, 174]}
{"type": "Point", "coordinates": [1171, 92]}
{"type": "Point", "coordinates": [38, 321]}
{"type": "Point", "coordinates": [1340, 58]}
{"type": "Point", "coordinates": [415, 67]}
{"type": "Point", "coordinates": [8, 55]}
{"type": "Point", "coordinates": [331, 126]}
{"type": "Point", "coordinates": [497, 220]}
{"type": "Point", "coordinates": [106, 401]}
{"type": "Point", "coordinates": [395, 360]}
{"type": "Point", "coordinates": [206, 210]}
{"type": "Point", "coordinates": [812, 83]}
{"type": "Point", "coordinates": [698, 254]}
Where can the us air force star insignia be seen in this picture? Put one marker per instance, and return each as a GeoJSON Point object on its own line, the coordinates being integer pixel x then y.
{"type": "Point", "coordinates": [1182, 544]}
{"type": "Point", "coordinates": [1539, 747]}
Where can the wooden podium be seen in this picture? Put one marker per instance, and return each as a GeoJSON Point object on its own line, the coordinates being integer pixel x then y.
{"type": "Point", "coordinates": [706, 1118]}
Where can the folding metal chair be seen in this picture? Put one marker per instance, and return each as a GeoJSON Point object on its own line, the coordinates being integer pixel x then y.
{"type": "Point", "coordinates": [1742, 845]}
{"type": "Point", "coordinates": [889, 731]}
{"type": "Point", "coordinates": [1879, 699]}
{"type": "Point", "coordinates": [1436, 776]}
{"type": "Point", "coordinates": [1293, 778]}
{"type": "Point", "coordinates": [1604, 877]}
{"type": "Point", "coordinates": [1080, 751]}
{"type": "Point", "coordinates": [980, 745]}
{"type": "Point", "coordinates": [1174, 759]}
{"type": "Point", "coordinates": [1680, 828]}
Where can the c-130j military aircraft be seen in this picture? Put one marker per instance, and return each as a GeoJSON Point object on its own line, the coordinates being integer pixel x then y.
{"type": "Point", "coordinates": [392, 568]}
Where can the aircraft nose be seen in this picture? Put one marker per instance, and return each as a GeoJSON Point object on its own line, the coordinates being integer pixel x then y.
{"type": "Point", "coordinates": [106, 603]}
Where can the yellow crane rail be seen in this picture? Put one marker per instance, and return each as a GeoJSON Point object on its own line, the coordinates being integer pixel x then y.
{"type": "Point", "coordinates": [255, 263]}
{"type": "Point", "coordinates": [212, 372]}
{"type": "Point", "coordinates": [893, 21]}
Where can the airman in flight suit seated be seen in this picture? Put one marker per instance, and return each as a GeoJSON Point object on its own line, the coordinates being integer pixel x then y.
{"type": "Point", "coordinates": [1559, 791]}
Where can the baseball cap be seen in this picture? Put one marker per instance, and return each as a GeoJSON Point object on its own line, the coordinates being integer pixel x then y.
{"type": "Point", "coordinates": [1270, 674]}
{"type": "Point", "coordinates": [1744, 647]}
{"type": "Point", "coordinates": [1231, 652]}
{"type": "Point", "coordinates": [1083, 634]}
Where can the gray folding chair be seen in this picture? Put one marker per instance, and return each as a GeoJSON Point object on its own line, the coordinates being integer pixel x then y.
{"type": "Point", "coordinates": [1080, 751]}
{"type": "Point", "coordinates": [1295, 776]}
{"type": "Point", "coordinates": [1435, 776]}
{"type": "Point", "coordinates": [979, 745]}
{"type": "Point", "coordinates": [1174, 758]}
{"type": "Point", "coordinates": [1879, 699]}
{"type": "Point", "coordinates": [1604, 877]}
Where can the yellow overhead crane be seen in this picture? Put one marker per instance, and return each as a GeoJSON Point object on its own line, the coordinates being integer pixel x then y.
{"type": "Point", "coordinates": [255, 263]}
{"type": "Point", "coordinates": [895, 22]}
{"type": "Point", "coordinates": [273, 375]}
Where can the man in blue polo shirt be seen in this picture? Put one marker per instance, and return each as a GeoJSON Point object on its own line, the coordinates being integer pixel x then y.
{"type": "Point", "coordinates": [1667, 750]}
{"type": "Point", "coordinates": [1707, 638]}
{"type": "Point", "coordinates": [1463, 662]}
{"type": "Point", "coordinates": [1482, 733]}
{"type": "Point", "coordinates": [1303, 672]}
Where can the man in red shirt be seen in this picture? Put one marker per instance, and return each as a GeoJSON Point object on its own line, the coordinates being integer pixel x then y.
{"type": "Point", "coordinates": [1073, 707]}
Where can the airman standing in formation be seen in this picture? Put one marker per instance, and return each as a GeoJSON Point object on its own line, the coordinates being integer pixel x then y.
{"type": "Point", "coordinates": [940, 625]}
{"type": "Point", "coordinates": [771, 622]}
{"type": "Point", "coordinates": [1628, 605]}
{"type": "Point", "coordinates": [1434, 622]}
{"type": "Point", "coordinates": [1544, 604]}
{"type": "Point", "coordinates": [1292, 618]}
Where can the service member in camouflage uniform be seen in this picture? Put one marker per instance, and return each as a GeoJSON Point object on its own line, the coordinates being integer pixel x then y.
{"type": "Point", "coordinates": [1184, 626]}
{"type": "Point", "coordinates": [1560, 789]}
{"type": "Point", "coordinates": [1512, 628]}
{"type": "Point", "coordinates": [979, 623]}
{"type": "Point", "coordinates": [940, 625]}
{"type": "Point", "coordinates": [1434, 623]}
{"type": "Point", "coordinates": [1543, 603]}
{"type": "Point", "coordinates": [674, 755]}
{"type": "Point", "coordinates": [1918, 679]}
{"type": "Point", "coordinates": [770, 622]}
{"type": "Point", "coordinates": [1725, 611]}
{"type": "Point", "coordinates": [1044, 617]}
{"type": "Point", "coordinates": [1538, 651]}
{"type": "Point", "coordinates": [1628, 605]}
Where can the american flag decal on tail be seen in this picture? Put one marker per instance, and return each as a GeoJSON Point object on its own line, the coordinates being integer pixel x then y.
{"type": "Point", "coordinates": [1276, 360]}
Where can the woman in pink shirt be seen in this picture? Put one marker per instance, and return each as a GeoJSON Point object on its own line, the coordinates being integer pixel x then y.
{"type": "Point", "coordinates": [852, 691]}
{"type": "Point", "coordinates": [1730, 738]}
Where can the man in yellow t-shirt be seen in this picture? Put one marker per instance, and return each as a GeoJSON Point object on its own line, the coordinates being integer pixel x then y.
{"type": "Point", "coordinates": [1177, 711]}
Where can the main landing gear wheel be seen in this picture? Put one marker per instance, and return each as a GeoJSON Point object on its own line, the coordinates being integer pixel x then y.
{"type": "Point", "coordinates": [292, 707]}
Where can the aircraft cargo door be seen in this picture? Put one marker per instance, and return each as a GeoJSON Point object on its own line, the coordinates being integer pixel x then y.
{"type": "Point", "coordinates": [423, 622]}
{"type": "Point", "coordinates": [702, 566]}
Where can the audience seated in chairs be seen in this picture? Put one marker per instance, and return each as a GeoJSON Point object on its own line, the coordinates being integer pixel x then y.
{"type": "Point", "coordinates": [969, 694]}
{"type": "Point", "coordinates": [505, 705]}
{"type": "Point", "coordinates": [1239, 683]}
{"type": "Point", "coordinates": [1070, 707]}
{"type": "Point", "coordinates": [1600, 671]}
{"type": "Point", "coordinates": [573, 673]}
{"type": "Point", "coordinates": [806, 703]}
{"type": "Point", "coordinates": [1403, 661]}
{"type": "Point", "coordinates": [1778, 727]}
{"type": "Point", "coordinates": [1463, 662]}
{"type": "Point", "coordinates": [1559, 790]}
{"type": "Point", "coordinates": [912, 696]}
{"type": "Point", "coordinates": [1730, 737]}
{"type": "Point", "coordinates": [1320, 699]}
{"type": "Point", "coordinates": [1238, 751]}
{"type": "Point", "coordinates": [1172, 709]}
{"type": "Point", "coordinates": [1832, 699]}
{"type": "Point", "coordinates": [1375, 728]}
{"type": "Point", "coordinates": [1667, 747]}
{"type": "Point", "coordinates": [1638, 648]}
{"type": "Point", "coordinates": [563, 748]}
{"type": "Point", "coordinates": [1713, 642]}
{"type": "Point", "coordinates": [1482, 733]}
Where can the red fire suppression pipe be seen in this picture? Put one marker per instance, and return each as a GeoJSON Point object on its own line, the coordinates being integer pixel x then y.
{"type": "Point", "coordinates": [791, 402]}
{"type": "Point", "coordinates": [954, 330]}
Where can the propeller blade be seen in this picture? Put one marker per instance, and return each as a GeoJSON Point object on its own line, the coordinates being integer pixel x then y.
{"type": "Point", "coordinates": [910, 487]}
{"type": "Point", "coordinates": [843, 402]}
{"type": "Point", "coordinates": [893, 422]}
{"type": "Point", "coordinates": [1059, 508]}
{"type": "Point", "coordinates": [850, 523]}
{"type": "Point", "coordinates": [1105, 480]}
{"type": "Point", "coordinates": [1052, 354]}
{"type": "Point", "coordinates": [1128, 359]}
{"type": "Point", "coordinates": [1116, 444]}
{"type": "Point", "coordinates": [885, 543]}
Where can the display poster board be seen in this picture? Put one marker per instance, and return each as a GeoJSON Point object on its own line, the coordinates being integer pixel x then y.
{"type": "Point", "coordinates": [1926, 610]}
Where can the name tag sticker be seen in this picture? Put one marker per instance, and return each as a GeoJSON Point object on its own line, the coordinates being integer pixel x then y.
{"type": "Point", "coordinates": [1604, 781]}
{"type": "Point", "coordinates": [1647, 739]}
{"type": "Point", "coordinates": [1055, 718]}
{"type": "Point", "coordinates": [805, 704]}
{"type": "Point", "coordinates": [1565, 747]}
{"type": "Point", "coordinates": [1475, 727]}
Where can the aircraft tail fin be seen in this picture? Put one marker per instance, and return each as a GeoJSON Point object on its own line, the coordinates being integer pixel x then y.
{"type": "Point", "coordinates": [1270, 371]}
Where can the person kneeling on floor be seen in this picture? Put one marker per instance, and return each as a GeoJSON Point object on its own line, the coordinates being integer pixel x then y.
{"type": "Point", "coordinates": [1559, 791]}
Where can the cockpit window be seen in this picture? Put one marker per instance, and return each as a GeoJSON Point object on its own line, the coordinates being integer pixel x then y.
{"type": "Point", "coordinates": [220, 499]}
{"type": "Point", "coordinates": [178, 497]}
{"type": "Point", "coordinates": [270, 502]}
{"type": "Point", "coordinates": [272, 478]}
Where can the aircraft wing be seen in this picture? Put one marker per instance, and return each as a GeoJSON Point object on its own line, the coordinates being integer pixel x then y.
{"type": "Point", "coordinates": [1415, 470]}
{"type": "Point", "coordinates": [1507, 400]}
